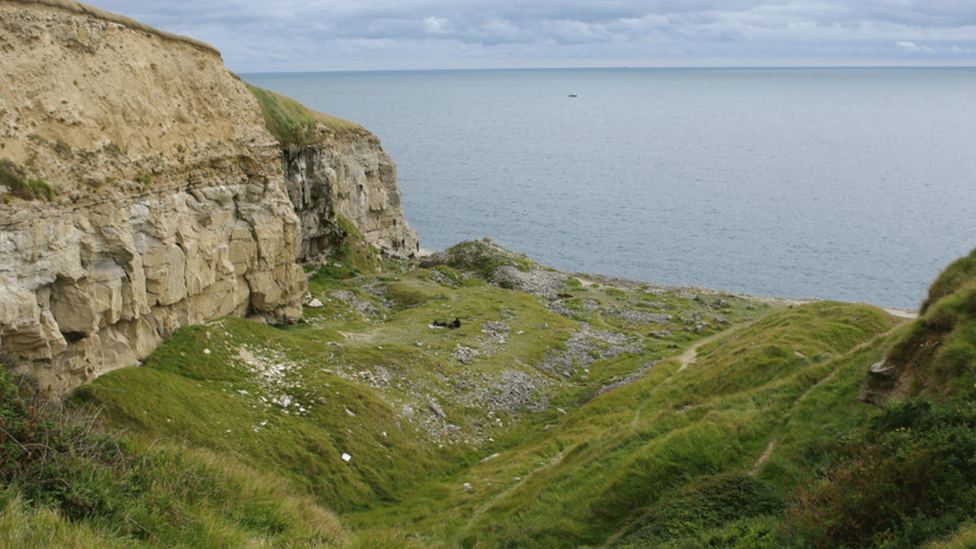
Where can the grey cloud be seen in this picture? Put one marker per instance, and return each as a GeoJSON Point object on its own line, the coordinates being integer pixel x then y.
{"type": "Point", "coordinates": [256, 34]}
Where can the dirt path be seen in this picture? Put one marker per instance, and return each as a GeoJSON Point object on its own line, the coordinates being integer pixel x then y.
{"type": "Point", "coordinates": [773, 441]}
{"type": "Point", "coordinates": [690, 355]}
{"type": "Point", "coordinates": [481, 510]}
{"type": "Point", "coordinates": [685, 359]}
{"type": "Point", "coordinates": [362, 337]}
{"type": "Point", "coordinates": [763, 458]}
{"type": "Point", "coordinates": [903, 313]}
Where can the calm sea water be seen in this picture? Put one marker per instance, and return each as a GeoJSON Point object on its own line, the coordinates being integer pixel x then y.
{"type": "Point", "coordinates": [849, 184]}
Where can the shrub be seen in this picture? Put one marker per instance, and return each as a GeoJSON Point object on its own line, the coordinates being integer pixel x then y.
{"type": "Point", "coordinates": [910, 474]}
{"type": "Point", "coordinates": [12, 177]}
{"type": "Point", "coordinates": [49, 450]}
{"type": "Point", "coordinates": [724, 505]}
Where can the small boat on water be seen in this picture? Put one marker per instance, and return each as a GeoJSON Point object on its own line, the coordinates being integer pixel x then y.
{"type": "Point", "coordinates": [572, 95]}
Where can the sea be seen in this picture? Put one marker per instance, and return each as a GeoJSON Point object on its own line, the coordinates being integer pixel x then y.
{"type": "Point", "coordinates": [851, 184]}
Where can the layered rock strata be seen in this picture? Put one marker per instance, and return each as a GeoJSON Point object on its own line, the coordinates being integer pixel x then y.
{"type": "Point", "coordinates": [169, 203]}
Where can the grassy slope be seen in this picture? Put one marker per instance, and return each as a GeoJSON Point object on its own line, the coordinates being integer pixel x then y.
{"type": "Point", "coordinates": [939, 353]}
{"type": "Point", "coordinates": [767, 406]}
{"type": "Point", "coordinates": [569, 475]}
{"type": "Point", "coordinates": [586, 476]}
{"type": "Point", "coordinates": [293, 123]}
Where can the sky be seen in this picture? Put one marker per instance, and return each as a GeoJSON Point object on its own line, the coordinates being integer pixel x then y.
{"type": "Point", "coordinates": [352, 35]}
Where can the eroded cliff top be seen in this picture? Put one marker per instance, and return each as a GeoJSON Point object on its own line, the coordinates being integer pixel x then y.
{"type": "Point", "coordinates": [91, 101]}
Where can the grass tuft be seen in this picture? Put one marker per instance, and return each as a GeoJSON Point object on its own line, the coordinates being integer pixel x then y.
{"type": "Point", "coordinates": [17, 183]}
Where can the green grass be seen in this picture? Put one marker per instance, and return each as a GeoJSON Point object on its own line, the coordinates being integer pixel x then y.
{"type": "Point", "coordinates": [938, 354]}
{"type": "Point", "coordinates": [727, 450]}
{"type": "Point", "coordinates": [965, 538]}
{"type": "Point", "coordinates": [566, 476]}
{"type": "Point", "coordinates": [959, 273]}
{"type": "Point", "coordinates": [19, 185]}
{"type": "Point", "coordinates": [293, 123]}
{"type": "Point", "coordinates": [299, 421]}
{"type": "Point", "coordinates": [65, 485]}
{"type": "Point", "coordinates": [727, 510]}
{"type": "Point", "coordinates": [587, 474]}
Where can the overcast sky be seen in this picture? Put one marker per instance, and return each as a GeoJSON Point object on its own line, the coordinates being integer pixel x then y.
{"type": "Point", "coordinates": [327, 35]}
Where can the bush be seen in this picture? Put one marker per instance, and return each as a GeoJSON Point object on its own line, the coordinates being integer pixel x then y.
{"type": "Point", "coordinates": [12, 177]}
{"type": "Point", "coordinates": [910, 475]}
{"type": "Point", "coordinates": [49, 450]}
{"type": "Point", "coordinates": [725, 510]}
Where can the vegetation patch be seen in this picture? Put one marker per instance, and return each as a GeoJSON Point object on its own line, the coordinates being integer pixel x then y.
{"type": "Point", "coordinates": [482, 258]}
{"type": "Point", "coordinates": [65, 484]}
{"type": "Point", "coordinates": [612, 415]}
{"type": "Point", "coordinates": [938, 354]}
{"type": "Point", "coordinates": [295, 124]}
{"type": "Point", "coordinates": [906, 478]}
{"type": "Point", "coordinates": [727, 510]}
{"type": "Point", "coordinates": [959, 273]}
{"type": "Point", "coordinates": [19, 185]}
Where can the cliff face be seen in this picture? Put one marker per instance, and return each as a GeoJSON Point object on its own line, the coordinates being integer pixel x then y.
{"type": "Point", "coordinates": [169, 206]}
{"type": "Point", "coordinates": [352, 176]}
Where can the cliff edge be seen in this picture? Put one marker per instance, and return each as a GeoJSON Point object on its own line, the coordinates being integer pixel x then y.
{"type": "Point", "coordinates": [141, 191]}
{"type": "Point", "coordinates": [935, 355]}
{"type": "Point", "coordinates": [333, 168]}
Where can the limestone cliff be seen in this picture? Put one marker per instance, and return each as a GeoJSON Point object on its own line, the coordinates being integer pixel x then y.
{"type": "Point", "coordinates": [352, 176]}
{"type": "Point", "coordinates": [168, 208]}
{"type": "Point", "coordinates": [333, 168]}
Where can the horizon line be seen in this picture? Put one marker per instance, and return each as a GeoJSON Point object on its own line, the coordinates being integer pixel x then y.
{"type": "Point", "coordinates": [621, 67]}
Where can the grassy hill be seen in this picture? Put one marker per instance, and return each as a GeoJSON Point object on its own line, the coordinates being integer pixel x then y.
{"type": "Point", "coordinates": [577, 411]}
